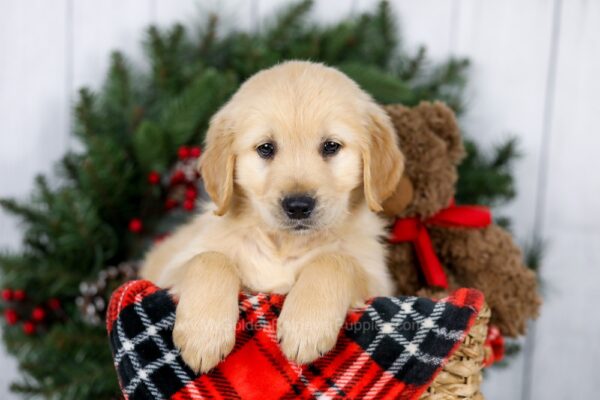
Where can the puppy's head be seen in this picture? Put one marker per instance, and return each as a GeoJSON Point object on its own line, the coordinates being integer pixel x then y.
{"type": "Point", "coordinates": [302, 145]}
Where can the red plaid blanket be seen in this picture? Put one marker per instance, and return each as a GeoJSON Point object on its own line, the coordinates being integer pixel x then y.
{"type": "Point", "coordinates": [391, 349]}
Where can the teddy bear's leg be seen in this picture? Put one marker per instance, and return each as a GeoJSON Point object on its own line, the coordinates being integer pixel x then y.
{"type": "Point", "coordinates": [488, 259]}
{"type": "Point", "coordinates": [207, 312]}
{"type": "Point", "coordinates": [316, 307]}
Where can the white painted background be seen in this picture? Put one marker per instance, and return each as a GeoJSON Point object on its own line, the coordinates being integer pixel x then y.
{"type": "Point", "coordinates": [535, 73]}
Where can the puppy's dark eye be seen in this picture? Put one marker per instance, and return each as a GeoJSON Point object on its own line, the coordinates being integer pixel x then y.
{"type": "Point", "coordinates": [266, 150]}
{"type": "Point", "coordinates": [330, 148]}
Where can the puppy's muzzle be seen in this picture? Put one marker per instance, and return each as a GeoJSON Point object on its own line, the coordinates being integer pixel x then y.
{"type": "Point", "coordinates": [298, 206]}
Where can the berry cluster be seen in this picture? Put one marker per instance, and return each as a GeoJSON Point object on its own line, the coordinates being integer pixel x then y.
{"type": "Point", "coordinates": [181, 184]}
{"type": "Point", "coordinates": [32, 316]}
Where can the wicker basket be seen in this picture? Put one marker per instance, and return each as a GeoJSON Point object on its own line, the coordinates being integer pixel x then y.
{"type": "Point", "coordinates": [461, 376]}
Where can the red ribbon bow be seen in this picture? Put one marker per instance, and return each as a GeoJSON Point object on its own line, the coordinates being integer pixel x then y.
{"type": "Point", "coordinates": [494, 344]}
{"type": "Point", "coordinates": [415, 230]}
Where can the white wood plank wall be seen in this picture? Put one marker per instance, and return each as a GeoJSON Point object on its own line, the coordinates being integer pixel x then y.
{"type": "Point", "coordinates": [535, 74]}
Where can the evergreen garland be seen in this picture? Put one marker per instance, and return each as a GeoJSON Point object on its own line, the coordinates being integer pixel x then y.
{"type": "Point", "coordinates": [100, 210]}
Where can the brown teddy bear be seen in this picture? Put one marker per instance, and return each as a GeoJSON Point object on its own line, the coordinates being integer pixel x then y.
{"type": "Point", "coordinates": [441, 247]}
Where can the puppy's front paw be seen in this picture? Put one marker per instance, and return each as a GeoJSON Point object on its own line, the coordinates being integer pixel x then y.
{"type": "Point", "coordinates": [306, 332]}
{"type": "Point", "coordinates": [205, 338]}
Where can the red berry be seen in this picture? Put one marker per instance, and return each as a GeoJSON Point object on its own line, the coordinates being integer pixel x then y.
{"type": "Point", "coordinates": [160, 238]}
{"type": "Point", "coordinates": [191, 193]}
{"type": "Point", "coordinates": [11, 316]}
{"type": "Point", "coordinates": [195, 152]}
{"type": "Point", "coordinates": [29, 328]}
{"type": "Point", "coordinates": [183, 152]}
{"type": "Point", "coordinates": [7, 294]}
{"type": "Point", "coordinates": [153, 178]}
{"type": "Point", "coordinates": [189, 204]}
{"type": "Point", "coordinates": [38, 314]}
{"type": "Point", "coordinates": [19, 295]}
{"type": "Point", "coordinates": [135, 225]}
{"type": "Point", "coordinates": [177, 177]}
{"type": "Point", "coordinates": [54, 304]}
{"type": "Point", "coordinates": [170, 204]}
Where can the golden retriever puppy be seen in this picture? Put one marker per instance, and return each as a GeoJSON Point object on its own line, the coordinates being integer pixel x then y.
{"type": "Point", "coordinates": [297, 164]}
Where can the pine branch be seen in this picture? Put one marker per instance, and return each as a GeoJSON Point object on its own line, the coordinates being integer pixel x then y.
{"type": "Point", "coordinates": [534, 252]}
{"type": "Point", "coordinates": [68, 168]}
{"type": "Point", "coordinates": [506, 153]}
{"type": "Point", "coordinates": [77, 226]}
{"type": "Point", "coordinates": [386, 88]}
{"type": "Point", "coordinates": [87, 121]}
{"type": "Point", "coordinates": [186, 116]}
{"type": "Point", "coordinates": [384, 39]}
{"type": "Point", "coordinates": [27, 213]}
{"type": "Point", "coordinates": [43, 193]}
{"type": "Point", "coordinates": [117, 102]}
{"type": "Point", "coordinates": [209, 36]}
{"type": "Point", "coordinates": [445, 82]}
{"type": "Point", "coordinates": [481, 180]}
{"type": "Point", "coordinates": [287, 22]}
{"type": "Point", "coordinates": [411, 68]}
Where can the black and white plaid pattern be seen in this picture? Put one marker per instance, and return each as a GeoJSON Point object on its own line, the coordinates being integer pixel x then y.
{"type": "Point", "coordinates": [146, 335]}
{"type": "Point", "coordinates": [405, 331]}
{"type": "Point", "coordinates": [394, 345]}
{"type": "Point", "coordinates": [144, 332]}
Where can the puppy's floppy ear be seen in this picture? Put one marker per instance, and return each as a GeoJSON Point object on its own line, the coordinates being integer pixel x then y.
{"type": "Point", "coordinates": [383, 162]}
{"type": "Point", "coordinates": [217, 163]}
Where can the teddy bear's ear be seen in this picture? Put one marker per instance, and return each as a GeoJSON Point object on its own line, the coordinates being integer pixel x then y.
{"type": "Point", "coordinates": [400, 199]}
{"type": "Point", "coordinates": [430, 140]}
{"type": "Point", "coordinates": [441, 120]}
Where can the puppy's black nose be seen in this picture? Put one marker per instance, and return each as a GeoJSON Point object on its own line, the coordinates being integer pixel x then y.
{"type": "Point", "coordinates": [298, 206]}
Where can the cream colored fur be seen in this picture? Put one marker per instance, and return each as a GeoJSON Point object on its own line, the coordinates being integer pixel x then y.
{"type": "Point", "coordinates": [243, 239]}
